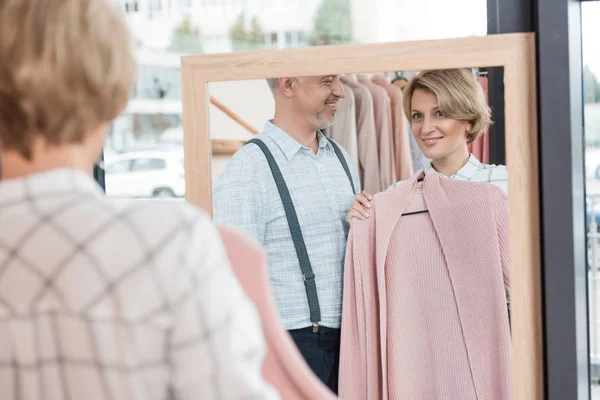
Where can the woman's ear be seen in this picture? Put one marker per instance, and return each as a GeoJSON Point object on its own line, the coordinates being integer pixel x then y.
{"type": "Point", "coordinates": [470, 126]}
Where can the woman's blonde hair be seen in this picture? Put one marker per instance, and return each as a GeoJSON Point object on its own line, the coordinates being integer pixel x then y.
{"type": "Point", "coordinates": [66, 67]}
{"type": "Point", "coordinates": [459, 95]}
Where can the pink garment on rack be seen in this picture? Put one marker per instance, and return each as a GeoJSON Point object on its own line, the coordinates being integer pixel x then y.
{"type": "Point", "coordinates": [480, 148]}
{"type": "Point", "coordinates": [433, 324]}
{"type": "Point", "coordinates": [400, 135]}
{"type": "Point", "coordinates": [368, 154]}
{"type": "Point", "coordinates": [343, 131]}
{"type": "Point", "coordinates": [383, 125]}
{"type": "Point", "coordinates": [283, 367]}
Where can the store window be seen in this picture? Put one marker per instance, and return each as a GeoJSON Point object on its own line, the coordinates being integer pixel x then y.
{"type": "Point", "coordinates": [591, 114]}
{"type": "Point", "coordinates": [119, 167]}
{"type": "Point", "coordinates": [149, 164]}
{"type": "Point", "coordinates": [166, 29]}
{"type": "Point", "coordinates": [132, 6]}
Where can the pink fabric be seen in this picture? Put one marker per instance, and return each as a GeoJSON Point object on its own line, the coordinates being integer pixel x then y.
{"type": "Point", "coordinates": [344, 132]}
{"type": "Point", "coordinates": [368, 154]}
{"type": "Point", "coordinates": [476, 148]}
{"type": "Point", "coordinates": [403, 157]}
{"type": "Point", "coordinates": [442, 357]}
{"type": "Point", "coordinates": [382, 110]}
{"type": "Point", "coordinates": [486, 148]}
{"type": "Point", "coordinates": [284, 367]}
{"type": "Point", "coordinates": [468, 239]}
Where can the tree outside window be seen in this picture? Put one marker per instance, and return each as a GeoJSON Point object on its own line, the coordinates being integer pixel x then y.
{"type": "Point", "coordinates": [186, 38]}
{"type": "Point", "coordinates": [333, 23]}
{"type": "Point", "coordinates": [244, 38]}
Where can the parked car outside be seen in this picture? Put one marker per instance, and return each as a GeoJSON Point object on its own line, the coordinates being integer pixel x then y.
{"type": "Point", "coordinates": [592, 163]}
{"type": "Point", "coordinates": [146, 173]}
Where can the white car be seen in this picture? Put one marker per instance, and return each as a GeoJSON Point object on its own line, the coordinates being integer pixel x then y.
{"type": "Point", "coordinates": [150, 173]}
{"type": "Point", "coordinates": [592, 163]}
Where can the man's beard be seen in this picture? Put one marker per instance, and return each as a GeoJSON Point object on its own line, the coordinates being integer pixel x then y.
{"type": "Point", "coordinates": [321, 123]}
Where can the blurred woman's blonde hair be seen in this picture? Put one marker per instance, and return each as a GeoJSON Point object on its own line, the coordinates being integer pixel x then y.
{"type": "Point", "coordinates": [459, 96]}
{"type": "Point", "coordinates": [66, 67]}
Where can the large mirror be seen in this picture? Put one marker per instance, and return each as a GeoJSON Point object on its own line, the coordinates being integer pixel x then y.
{"type": "Point", "coordinates": [400, 242]}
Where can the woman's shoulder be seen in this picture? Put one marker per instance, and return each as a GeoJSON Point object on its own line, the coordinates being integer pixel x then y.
{"type": "Point", "coordinates": [493, 166]}
{"type": "Point", "coordinates": [491, 171]}
{"type": "Point", "coordinates": [495, 169]}
{"type": "Point", "coordinates": [497, 175]}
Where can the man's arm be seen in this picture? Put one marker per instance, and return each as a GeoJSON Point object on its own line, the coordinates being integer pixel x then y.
{"type": "Point", "coordinates": [240, 196]}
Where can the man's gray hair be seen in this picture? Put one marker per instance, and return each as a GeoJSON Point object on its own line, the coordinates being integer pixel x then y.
{"type": "Point", "coordinates": [274, 83]}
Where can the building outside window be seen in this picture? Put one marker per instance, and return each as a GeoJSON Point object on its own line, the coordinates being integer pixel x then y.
{"type": "Point", "coordinates": [132, 6]}
{"type": "Point", "coordinates": [166, 29]}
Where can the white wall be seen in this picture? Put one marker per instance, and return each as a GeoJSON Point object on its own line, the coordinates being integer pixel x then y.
{"type": "Point", "coordinates": [379, 21]}
{"type": "Point", "coordinates": [250, 100]}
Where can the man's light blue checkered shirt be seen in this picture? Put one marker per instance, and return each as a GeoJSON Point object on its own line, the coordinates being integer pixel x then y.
{"type": "Point", "coordinates": [247, 198]}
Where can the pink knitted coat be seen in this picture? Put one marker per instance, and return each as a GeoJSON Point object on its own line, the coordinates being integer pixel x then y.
{"type": "Point", "coordinates": [283, 367]}
{"type": "Point", "coordinates": [461, 267]}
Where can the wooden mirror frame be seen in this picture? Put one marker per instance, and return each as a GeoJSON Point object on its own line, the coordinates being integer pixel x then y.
{"type": "Point", "coordinates": [514, 52]}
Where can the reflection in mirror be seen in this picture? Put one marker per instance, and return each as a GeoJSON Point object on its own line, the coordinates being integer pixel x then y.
{"type": "Point", "coordinates": [380, 184]}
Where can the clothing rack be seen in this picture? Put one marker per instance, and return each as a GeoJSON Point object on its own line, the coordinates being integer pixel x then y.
{"type": "Point", "coordinates": [372, 110]}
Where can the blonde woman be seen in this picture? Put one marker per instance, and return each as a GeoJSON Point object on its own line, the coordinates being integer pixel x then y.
{"type": "Point", "coordinates": [101, 300]}
{"type": "Point", "coordinates": [447, 111]}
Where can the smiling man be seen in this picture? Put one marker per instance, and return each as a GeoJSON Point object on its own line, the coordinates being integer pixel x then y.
{"type": "Point", "coordinates": [290, 189]}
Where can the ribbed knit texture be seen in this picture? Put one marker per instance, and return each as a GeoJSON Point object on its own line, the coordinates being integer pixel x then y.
{"type": "Point", "coordinates": [424, 314]}
{"type": "Point", "coordinates": [418, 296]}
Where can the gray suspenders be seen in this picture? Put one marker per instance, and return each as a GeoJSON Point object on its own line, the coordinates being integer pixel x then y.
{"type": "Point", "coordinates": [292, 218]}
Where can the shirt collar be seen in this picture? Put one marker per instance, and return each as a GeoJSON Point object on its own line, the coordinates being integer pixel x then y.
{"type": "Point", "coordinates": [60, 180]}
{"type": "Point", "coordinates": [288, 145]}
{"type": "Point", "coordinates": [467, 172]}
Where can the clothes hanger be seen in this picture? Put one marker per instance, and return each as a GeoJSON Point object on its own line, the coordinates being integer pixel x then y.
{"type": "Point", "coordinates": [480, 72]}
{"type": "Point", "coordinates": [415, 212]}
{"type": "Point", "coordinates": [398, 75]}
{"type": "Point", "coordinates": [421, 179]}
{"type": "Point", "coordinates": [399, 80]}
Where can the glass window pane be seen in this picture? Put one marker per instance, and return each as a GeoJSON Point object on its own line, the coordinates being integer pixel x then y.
{"type": "Point", "coordinates": [148, 164]}
{"type": "Point", "coordinates": [118, 167]}
{"type": "Point", "coordinates": [164, 30]}
{"type": "Point", "coordinates": [591, 92]}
